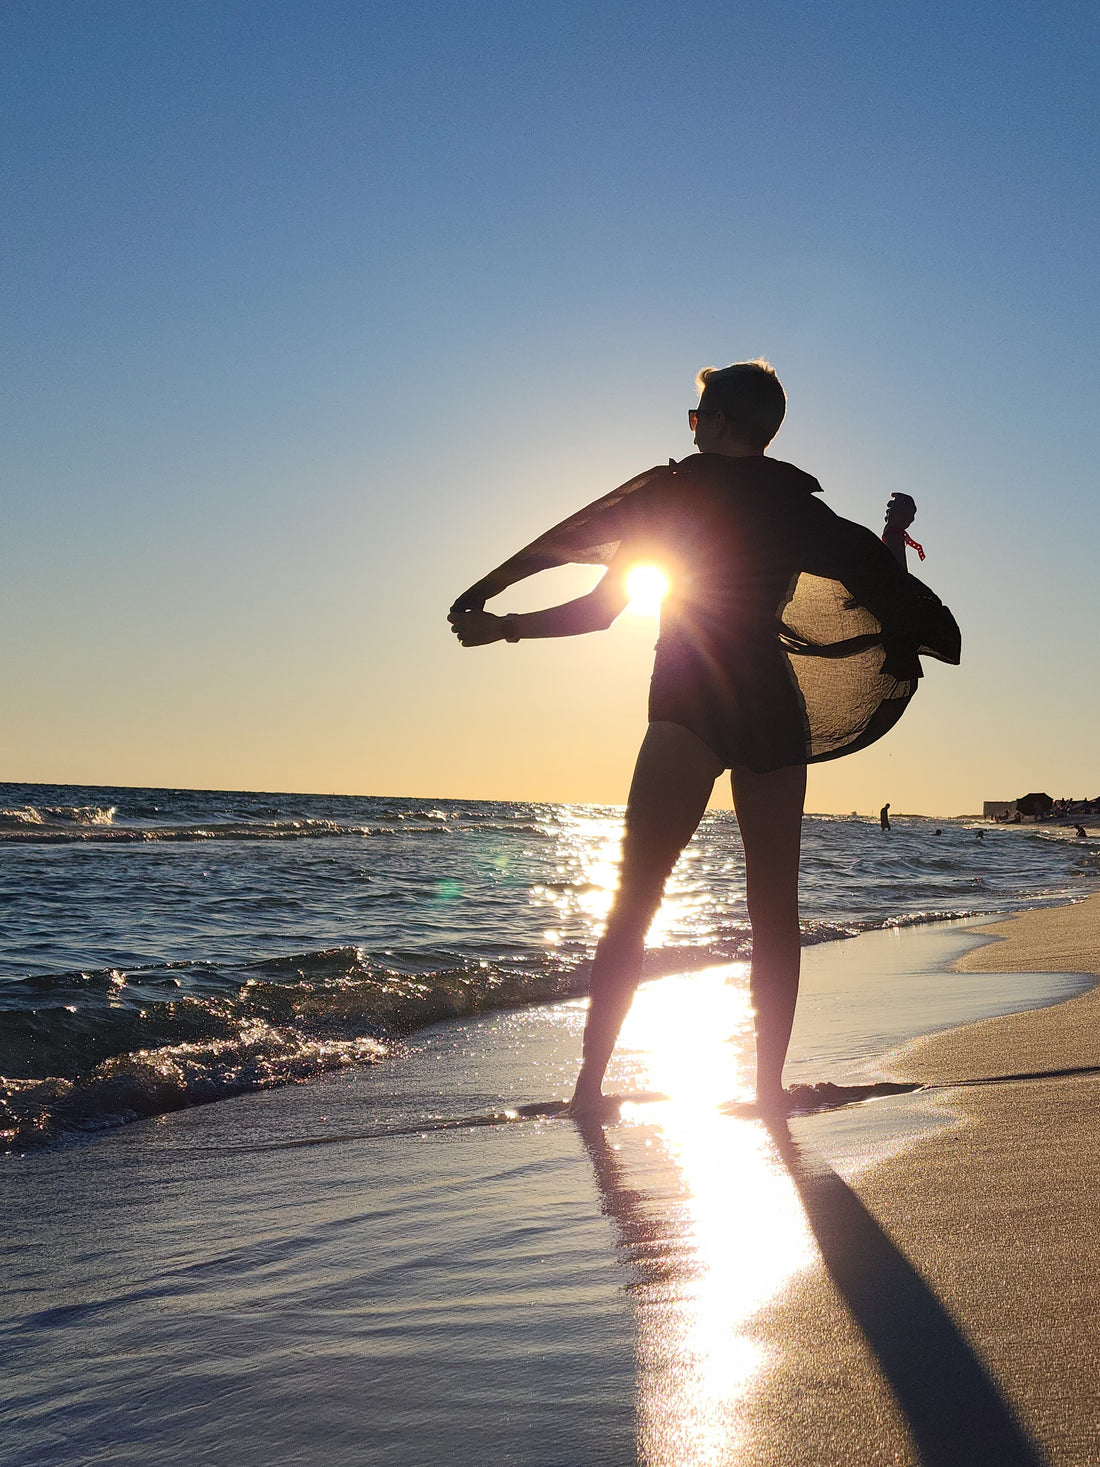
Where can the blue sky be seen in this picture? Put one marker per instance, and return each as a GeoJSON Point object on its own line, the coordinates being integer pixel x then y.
{"type": "Point", "coordinates": [313, 313]}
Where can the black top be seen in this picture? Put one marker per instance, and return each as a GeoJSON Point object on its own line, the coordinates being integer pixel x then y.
{"type": "Point", "coordinates": [788, 634]}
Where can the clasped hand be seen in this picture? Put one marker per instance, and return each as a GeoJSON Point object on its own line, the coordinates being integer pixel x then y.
{"type": "Point", "coordinates": [476, 628]}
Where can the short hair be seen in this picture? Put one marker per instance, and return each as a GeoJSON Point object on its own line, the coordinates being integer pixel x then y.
{"type": "Point", "coordinates": [749, 394]}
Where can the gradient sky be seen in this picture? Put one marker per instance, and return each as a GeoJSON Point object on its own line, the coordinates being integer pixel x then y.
{"type": "Point", "coordinates": [314, 312]}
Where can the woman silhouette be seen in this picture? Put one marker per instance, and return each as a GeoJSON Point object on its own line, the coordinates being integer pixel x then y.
{"type": "Point", "coordinates": [788, 635]}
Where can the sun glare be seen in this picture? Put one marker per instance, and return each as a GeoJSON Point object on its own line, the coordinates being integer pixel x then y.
{"type": "Point", "coordinates": [646, 586]}
{"type": "Point", "coordinates": [735, 1233]}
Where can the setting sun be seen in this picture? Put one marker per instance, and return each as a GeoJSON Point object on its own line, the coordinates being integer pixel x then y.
{"type": "Point", "coordinates": [646, 585]}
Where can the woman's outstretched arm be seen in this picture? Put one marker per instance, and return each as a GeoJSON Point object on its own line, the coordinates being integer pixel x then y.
{"type": "Point", "coordinates": [591, 613]}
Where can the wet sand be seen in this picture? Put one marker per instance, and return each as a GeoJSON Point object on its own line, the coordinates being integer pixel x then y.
{"type": "Point", "coordinates": [970, 1261]}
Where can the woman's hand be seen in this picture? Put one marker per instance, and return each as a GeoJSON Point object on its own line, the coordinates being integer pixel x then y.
{"type": "Point", "coordinates": [477, 628]}
{"type": "Point", "coordinates": [592, 613]}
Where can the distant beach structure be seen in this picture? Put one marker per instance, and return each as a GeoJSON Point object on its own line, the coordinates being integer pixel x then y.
{"type": "Point", "coordinates": [1038, 806]}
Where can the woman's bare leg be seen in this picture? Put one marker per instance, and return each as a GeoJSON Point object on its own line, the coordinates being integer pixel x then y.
{"type": "Point", "coordinates": [769, 812]}
{"type": "Point", "coordinates": [673, 779]}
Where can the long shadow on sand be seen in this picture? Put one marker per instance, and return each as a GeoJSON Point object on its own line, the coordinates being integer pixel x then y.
{"type": "Point", "coordinates": [955, 1412]}
{"type": "Point", "coordinates": [957, 1415]}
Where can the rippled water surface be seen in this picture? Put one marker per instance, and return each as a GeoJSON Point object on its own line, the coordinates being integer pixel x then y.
{"type": "Point", "coordinates": [161, 947]}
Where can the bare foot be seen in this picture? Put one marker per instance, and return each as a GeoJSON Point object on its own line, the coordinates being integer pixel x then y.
{"type": "Point", "coordinates": [593, 1107]}
{"type": "Point", "coordinates": [773, 1102]}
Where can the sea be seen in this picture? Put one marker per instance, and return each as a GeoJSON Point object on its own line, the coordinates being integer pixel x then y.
{"type": "Point", "coordinates": [161, 948]}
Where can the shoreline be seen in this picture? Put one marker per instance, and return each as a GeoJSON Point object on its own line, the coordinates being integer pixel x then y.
{"type": "Point", "coordinates": [37, 1115]}
{"type": "Point", "coordinates": [683, 1279]}
{"type": "Point", "coordinates": [1064, 939]}
{"type": "Point", "coordinates": [986, 1232]}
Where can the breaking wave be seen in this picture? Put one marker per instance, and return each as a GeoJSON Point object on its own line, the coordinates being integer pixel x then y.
{"type": "Point", "coordinates": [62, 818]}
{"type": "Point", "coordinates": [134, 1045]}
{"type": "Point", "coordinates": [98, 825]}
{"type": "Point", "coordinates": [91, 1050]}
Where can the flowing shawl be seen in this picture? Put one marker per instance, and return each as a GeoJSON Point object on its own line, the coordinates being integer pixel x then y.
{"type": "Point", "coordinates": [789, 634]}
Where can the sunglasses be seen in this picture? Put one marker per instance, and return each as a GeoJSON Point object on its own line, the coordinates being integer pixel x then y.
{"type": "Point", "coordinates": [694, 414]}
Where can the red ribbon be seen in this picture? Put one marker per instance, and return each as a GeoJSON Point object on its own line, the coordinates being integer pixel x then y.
{"type": "Point", "coordinates": [905, 535]}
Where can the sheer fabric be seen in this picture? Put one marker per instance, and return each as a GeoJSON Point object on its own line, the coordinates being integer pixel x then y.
{"type": "Point", "coordinates": [788, 635]}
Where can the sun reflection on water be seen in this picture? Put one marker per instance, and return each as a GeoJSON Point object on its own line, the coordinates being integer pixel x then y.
{"type": "Point", "coordinates": [586, 874]}
{"type": "Point", "coordinates": [735, 1233]}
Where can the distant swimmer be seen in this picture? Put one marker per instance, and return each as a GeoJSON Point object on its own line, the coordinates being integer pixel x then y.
{"type": "Point", "coordinates": [981, 835]}
{"type": "Point", "coordinates": [884, 816]}
{"type": "Point", "coordinates": [761, 668]}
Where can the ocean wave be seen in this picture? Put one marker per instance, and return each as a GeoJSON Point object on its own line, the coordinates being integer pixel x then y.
{"type": "Point", "coordinates": [132, 1045]}
{"type": "Point", "coordinates": [59, 817]}
{"type": "Point", "coordinates": [130, 1087]}
{"type": "Point", "coordinates": [93, 1050]}
{"type": "Point", "coordinates": [36, 814]}
{"type": "Point", "coordinates": [40, 826]}
{"type": "Point", "coordinates": [97, 825]}
{"type": "Point", "coordinates": [88, 1050]}
{"type": "Point", "coordinates": [67, 1023]}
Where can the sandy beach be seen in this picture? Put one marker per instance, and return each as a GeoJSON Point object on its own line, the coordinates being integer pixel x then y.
{"type": "Point", "coordinates": [982, 1345]}
{"type": "Point", "coordinates": [395, 1266]}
